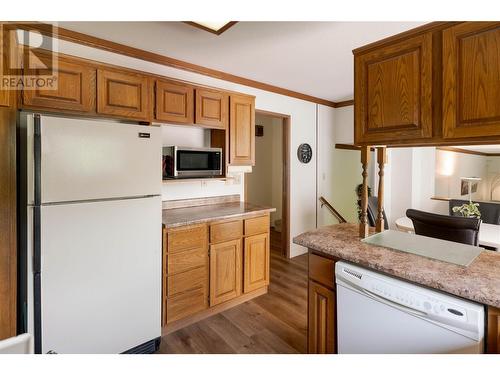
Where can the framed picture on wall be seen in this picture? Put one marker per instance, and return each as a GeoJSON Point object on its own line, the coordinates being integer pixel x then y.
{"type": "Point", "coordinates": [464, 187]}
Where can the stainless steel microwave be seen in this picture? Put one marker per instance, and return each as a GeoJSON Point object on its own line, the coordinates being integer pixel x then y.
{"type": "Point", "coordinates": [189, 162]}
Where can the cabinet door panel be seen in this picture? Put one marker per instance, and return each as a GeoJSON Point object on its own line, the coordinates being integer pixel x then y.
{"type": "Point", "coordinates": [471, 76]}
{"type": "Point", "coordinates": [174, 102]}
{"type": "Point", "coordinates": [393, 92]}
{"type": "Point", "coordinates": [256, 262]}
{"type": "Point", "coordinates": [124, 95]}
{"type": "Point", "coordinates": [493, 331]}
{"type": "Point", "coordinates": [225, 271]}
{"type": "Point", "coordinates": [321, 315]}
{"type": "Point", "coordinates": [242, 130]}
{"type": "Point", "coordinates": [211, 108]}
{"type": "Point", "coordinates": [75, 88]}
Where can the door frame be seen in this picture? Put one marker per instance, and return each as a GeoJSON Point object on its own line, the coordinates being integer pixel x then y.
{"type": "Point", "coordinates": [285, 198]}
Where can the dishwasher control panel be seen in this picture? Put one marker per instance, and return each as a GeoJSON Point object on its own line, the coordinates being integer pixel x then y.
{"type": "Point", "coordinates": [413, 300]}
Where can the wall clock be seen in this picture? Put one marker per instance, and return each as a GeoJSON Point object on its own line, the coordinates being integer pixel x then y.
{"type": "Point", "coordinates": [304, 153]}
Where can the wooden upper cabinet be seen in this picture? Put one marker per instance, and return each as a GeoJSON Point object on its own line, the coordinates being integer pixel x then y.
{"type": "Point", "coordinates": [75, 88]}
{"type": "Point", "coordinates": [174, 102]}
{"type": "Point", "coordinates": [256, 262]}
{"type": "Point", "coordinates": [211, 108]}
{"type": "Point", "coordinates": [241, 130]}
{"type": "Point", "coordinates": [393, 91]}
{"type": "Point", "coordinates": [5, 100]}
{"type": "Point", "coordinates": [471, 80]}
{"type": "Point", "coordinates": [225, 271]}
{"type": "Point", "coordinates": [125, 95]}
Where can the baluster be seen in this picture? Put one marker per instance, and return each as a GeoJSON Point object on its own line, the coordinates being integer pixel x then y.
{"type": "Point", "coordinates": [363, 225]}
{"type": "Point", "coordinates": [381, 160]}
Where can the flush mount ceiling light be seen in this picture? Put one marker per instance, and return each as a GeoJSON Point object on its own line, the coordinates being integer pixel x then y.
{"type": "Point", "coordinates": [214, 27]}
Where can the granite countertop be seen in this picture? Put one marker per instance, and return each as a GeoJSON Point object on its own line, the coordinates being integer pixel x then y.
{"type": "Point", "coordinates": [175, 217]}
{"type": "Point", "coordinates": [479, 282]}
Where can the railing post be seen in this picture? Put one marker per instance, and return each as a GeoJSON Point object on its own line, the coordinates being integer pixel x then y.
{"type": "Point", "coordinates": [381, 160]}
{"type": "Point", "coordinates": [363, 225]}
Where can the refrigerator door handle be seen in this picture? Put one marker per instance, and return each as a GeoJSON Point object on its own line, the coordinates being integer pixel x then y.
{"type": "Point", "coordinates": [37, 256]}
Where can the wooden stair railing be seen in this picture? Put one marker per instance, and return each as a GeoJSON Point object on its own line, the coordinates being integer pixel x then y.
{"type": "Point", "coordinates": [334, 212]}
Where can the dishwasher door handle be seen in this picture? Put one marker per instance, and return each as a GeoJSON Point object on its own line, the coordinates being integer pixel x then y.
{"type": "Point", "coordinates": [393, 304]}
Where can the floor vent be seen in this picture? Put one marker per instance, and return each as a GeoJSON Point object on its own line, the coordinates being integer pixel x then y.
{"type": "Point", "coordinates": [146, 348]}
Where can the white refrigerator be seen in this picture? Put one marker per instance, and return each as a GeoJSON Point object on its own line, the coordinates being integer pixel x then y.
{"type": "Point", "coordinates": [91, 242]}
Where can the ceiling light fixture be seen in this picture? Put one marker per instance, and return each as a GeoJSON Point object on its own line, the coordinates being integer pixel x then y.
{"type": "Point", "coordinates": [214, 27]}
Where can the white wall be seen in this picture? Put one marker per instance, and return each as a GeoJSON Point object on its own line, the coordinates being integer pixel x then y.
{"type": "Point", "coordinates": [303, 122]}
{"type": "Point", "coordinates": [450, 166]}
{"type": "Point", "coordinates": [264, 184]}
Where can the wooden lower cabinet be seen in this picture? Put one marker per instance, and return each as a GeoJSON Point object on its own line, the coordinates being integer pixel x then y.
{"type": "Point", "coordinates": [225, 271]}
{"type": "Point", "coordinates": [493, 331]}
{"type": "Point", "coordinates": [321, 319]}
{"type": "Point", "coordinates": [185, 272]}
{"type": "Point", "coordinates": [198, 282]}
{"type": "Point", "coordinates": [256, 262]}
{"type": "Point", "coordinates": [321, 305]}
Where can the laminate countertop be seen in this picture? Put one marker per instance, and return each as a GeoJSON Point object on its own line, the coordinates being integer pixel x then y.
{"type": "Point", "coordinates": [175, 217]}
{"type": "Point", "coordinates": [479, 282]}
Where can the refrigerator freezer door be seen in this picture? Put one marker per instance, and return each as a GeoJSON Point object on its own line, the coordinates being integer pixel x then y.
{"type": "Point", "coordinates": [90, 159]}
{"type": "Point", "coordinates": [101, 275]}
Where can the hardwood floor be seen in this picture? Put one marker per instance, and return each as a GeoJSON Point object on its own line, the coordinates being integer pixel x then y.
{"type": "Point", "coordinates": [273, 323]}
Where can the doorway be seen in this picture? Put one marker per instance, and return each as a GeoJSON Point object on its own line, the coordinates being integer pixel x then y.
{"type": "Point", "coordinates": [269, 184]}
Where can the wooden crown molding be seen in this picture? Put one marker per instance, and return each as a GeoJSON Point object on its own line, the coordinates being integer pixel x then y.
{"type": "Point", "coordinates": [218, 32]}
{"type": "Point", "coordinates": [106, 45]}
{"type": "Point", "coordinates": [465, 151]}
{"type": "Point", "coordinates": [344, 103]}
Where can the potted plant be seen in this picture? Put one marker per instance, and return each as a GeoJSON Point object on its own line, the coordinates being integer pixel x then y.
{"type": "Point", "coordinates": [470, 209]}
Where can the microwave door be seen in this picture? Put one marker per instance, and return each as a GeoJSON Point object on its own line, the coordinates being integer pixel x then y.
{"type": "Point", "coordinates": [198, 163]}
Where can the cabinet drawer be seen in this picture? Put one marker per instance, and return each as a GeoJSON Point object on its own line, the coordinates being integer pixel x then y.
{"type": "Point", "coordinates": [322, 270]}
{"type": "Point", "coordinates": [257, 225]}
{"type": "Point", "coordinates": [186, 238]}
{"type": "Point", "coordinates": [226, 231]}
{"type": "Point", "coordinates": [187, 260]}
{"type": "Point", "coordinates": [186, 304]}
{"type": "Point", "coordinates": [184, 281]}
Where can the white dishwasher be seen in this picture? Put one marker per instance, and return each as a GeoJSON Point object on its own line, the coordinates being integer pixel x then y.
{"type": "Point", "coordinates": [381, 314]}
